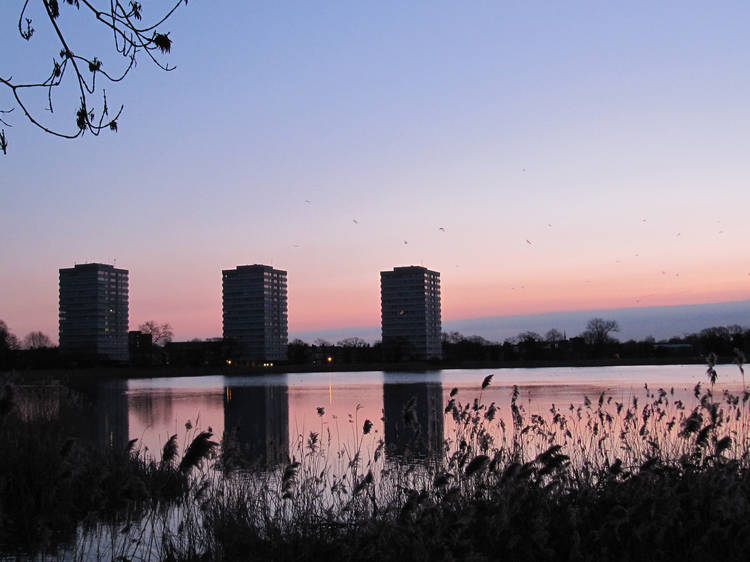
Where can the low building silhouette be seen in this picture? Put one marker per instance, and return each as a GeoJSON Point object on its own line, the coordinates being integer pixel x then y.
{"type": "Point", "coordinates": [208, 353]}
{"type": "Point", "coordinates": [140, 348]}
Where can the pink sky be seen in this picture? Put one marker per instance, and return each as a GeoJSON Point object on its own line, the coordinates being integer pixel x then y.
{"type": "Point", "coordinates": [570, 155]}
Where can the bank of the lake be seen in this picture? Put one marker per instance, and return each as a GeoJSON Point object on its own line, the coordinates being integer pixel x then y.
{"type": "Point", "coordinates": [99, 372]}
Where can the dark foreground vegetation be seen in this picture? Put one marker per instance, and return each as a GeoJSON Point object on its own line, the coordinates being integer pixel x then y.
{"type": "Point", "coordinates": [655, 478]}
{"type": "Point", "coordinates": [59, 475]}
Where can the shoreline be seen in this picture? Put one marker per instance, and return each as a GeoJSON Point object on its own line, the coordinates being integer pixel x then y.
{"type": "Point", "coordinates": [128, 372]}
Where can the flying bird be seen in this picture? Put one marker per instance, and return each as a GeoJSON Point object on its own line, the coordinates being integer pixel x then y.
{"type": "Point", "coordinates": [441, 229]}
{"type": "Point", "coordinates": [355, 221]}
{"type": "Point", "coordinates": [405, 242]}
{"type": "Point", "coordinates": [528, 242]}
{"type": "Point", "coordinates": [308, 201]}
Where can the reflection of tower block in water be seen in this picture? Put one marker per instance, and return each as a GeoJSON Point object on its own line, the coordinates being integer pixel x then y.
{"type": "Point", "coordinates": [256, 424]}
{"type": "Point", "coordinates": [105, 419]}
{"type": "Point", "coordinates": [413, 419]}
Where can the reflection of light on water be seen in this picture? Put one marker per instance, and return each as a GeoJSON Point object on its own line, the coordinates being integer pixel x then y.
{"type": "Point", "coordinates": [330, 390]}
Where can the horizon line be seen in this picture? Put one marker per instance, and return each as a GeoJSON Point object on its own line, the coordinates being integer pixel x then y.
{"type": "Point", "coordinates": [533, 314]}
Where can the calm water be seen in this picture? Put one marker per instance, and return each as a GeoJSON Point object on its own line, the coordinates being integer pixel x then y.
{"type": "Point", "coordinates": [267, 416]}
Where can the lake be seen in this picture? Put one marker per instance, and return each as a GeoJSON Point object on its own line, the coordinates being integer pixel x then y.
{"type": "Point", "coordinates": [270, 418]}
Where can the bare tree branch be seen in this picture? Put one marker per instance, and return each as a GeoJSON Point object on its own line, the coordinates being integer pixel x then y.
{"type": "Point", "coordinates": [131, 38]}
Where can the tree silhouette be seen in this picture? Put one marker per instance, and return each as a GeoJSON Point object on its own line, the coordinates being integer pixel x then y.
{"type": "Point", "coordinates": [598, 330]}
{"type": "Point", "coordinates": [553, 336]}
{"type": "Point", "coordinates": [36, 340]}
{"type": "Point", "coordinates": [354, 342]}
{"type": "Point", "coordinates": [75, 66]}
{"type": "Point", "coordinates": [529, 337]}
{"type": "Point", "coordinates": [161, 334]}
{"type": "Point", "coordinates": [8, 341]}
{"type": "Point", "coordinates": [8, 346]}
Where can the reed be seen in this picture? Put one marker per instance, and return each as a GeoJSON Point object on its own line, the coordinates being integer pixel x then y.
{"type": "Point", "coordinates": [54, 485]}
{"type": "Point", "coordinates": [653, 478]}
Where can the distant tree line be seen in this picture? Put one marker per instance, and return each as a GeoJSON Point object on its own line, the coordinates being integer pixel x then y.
{"type": "Point", "coordinates": [597, 342]}
{"type": "Point", "coordinates": [35, 350]}
{"type": "Point", "coordinates": [152, 346]}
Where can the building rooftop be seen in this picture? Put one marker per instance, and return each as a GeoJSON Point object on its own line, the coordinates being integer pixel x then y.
{"type": "Point", "coordinates": [409, 268]}
{"type": "Point", "coordinates": [92, 266]}
{"type": "Point", "coordinates": [254, 267]}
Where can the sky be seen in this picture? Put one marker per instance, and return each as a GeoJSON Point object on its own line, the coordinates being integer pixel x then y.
{"type": "Point", "coordinates": [578, 156]}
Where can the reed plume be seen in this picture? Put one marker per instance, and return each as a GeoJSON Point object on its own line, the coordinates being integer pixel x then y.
{"type": "Point", "coordinates": [200, 449]}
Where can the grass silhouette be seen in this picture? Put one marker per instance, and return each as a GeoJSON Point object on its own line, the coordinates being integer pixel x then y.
{"type": "Point", "coordinates": [652, 479]}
